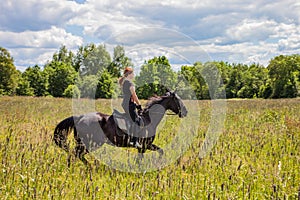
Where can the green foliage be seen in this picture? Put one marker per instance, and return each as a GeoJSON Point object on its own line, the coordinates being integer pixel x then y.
{"type": "Point", "coordinates": [64, 55]}
{"type": "Point", "coordinates": [8, 73]}
{"type": "Point", "coordinates": [253, 78]}
{"type": "Point", "coordinates": [88, 86]}
{"type": "Point", "coordinates": [120, 61]}
{"type": "Point", "coordinates": [37, 79]}
{"type": "Point", "coordinates": [205, 80]}
{"type": "Point", "coordinates": [213, 80]}
{"type": "Point", "coordinates": [155, 76]}
{"type": "Point", "coordinates": [282, 71]}
{"type": "Point", "coordinates": [265, 91]}
{"type": "Point", "coordinates": [96, 59]}
{"type": "Point", "coordinates": [235, 81]}
{"type": "Point", "coordinates": [72, 91]}
{"type": "Point", "coordinates": [193, 78]}
{"type": "Point", "coordinates": [60, 76]}
{"type": "Point", "coordinates": [106, 86]}
{"type": "Point", "coordinates": [280, 79]}
{"type": "Point", "coordinates": [24, 88]}
{"type": "Point", "coordinates": [82, 53]}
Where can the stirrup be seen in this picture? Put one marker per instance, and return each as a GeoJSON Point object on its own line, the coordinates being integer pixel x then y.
{"type": "Point", "coordinates": [136, 144]}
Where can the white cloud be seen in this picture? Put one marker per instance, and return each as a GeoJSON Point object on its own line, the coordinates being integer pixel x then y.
{"type": "Point", "coordinates": [24, 56]}
{"type": "Point", "coordinates": [251, 30]}
{"type": "Point", "coordinates": [230, 30]}
{"type": "Point", "coordinates": [19, 16]}
{"type": "Point", "coordinates": [37, 47]}
{"type": "Point", "coordinates": [288, 37]}
{"type": "Point", "coordinates": [281, 11]}
{"type": "Point", "coordinates": [51, 38]}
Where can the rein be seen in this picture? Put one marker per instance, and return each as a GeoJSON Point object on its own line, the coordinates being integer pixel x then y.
{"type": "Point", "coordinates": [163, 113]}
{"type": "Point", "coordinates": [179, 109]}
{"type": "Point", "coordinates": [171, 114]}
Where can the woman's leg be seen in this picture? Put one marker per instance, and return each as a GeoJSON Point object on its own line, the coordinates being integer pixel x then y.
{"type": "Point", "coordinates": [134, 117]}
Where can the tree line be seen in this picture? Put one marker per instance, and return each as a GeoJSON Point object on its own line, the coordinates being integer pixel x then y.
{"type": "Point", "coordinates": [92, 72]}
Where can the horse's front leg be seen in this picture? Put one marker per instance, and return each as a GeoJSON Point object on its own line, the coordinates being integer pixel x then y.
{"type": "Point", "coordinates": [153, 147]}
{"type": "Point", "coordinates": [140, 156]}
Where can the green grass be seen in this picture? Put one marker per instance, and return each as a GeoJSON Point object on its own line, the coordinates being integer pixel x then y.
{"type": "Point", "coordinates": [256, 157]}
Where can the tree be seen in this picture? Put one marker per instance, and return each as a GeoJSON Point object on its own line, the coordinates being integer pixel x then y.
{"type": "Point", "coordinates": [24, 88]}
{"type": "Point", "coordinates": [106, 86]}
{"type": "Point", "coordinates": [282, 76]}
{"type": "Point", "coordinates": [60, 76]}
{"type": "Point", "coordinates": [194, 77]}
{"type": "Point", "coordinates": [72, 91]}
{"type": "Point", "coordinates": [253, 78]}
{"type": "Point", "coordinates": [95, 59]}
{"type": "Point", "coordinates": [266, 90]}
{"type": "Point", "coordinates": [81, 54]}
{"type": "Point", "coordinates": [8, 73]}
{"type": "Point", "coordinates": [187, 82]}
{"type": "Point", "coordinates": [37, 80]}
{"type": "Point", "coordinates": [213, 79]}
{"type": "Point", "coordinates": [88, 86]}
{"type": "Point", "coordinates": [64, 55]}
{"type": "Point", "coordinates": [156, 75]}
{"type": "Point", "coordinates": [235, 82]}
{"type": "Point", "coordinates": [296, 73]}
{"type": "Point", "coordinates": [120, 61]}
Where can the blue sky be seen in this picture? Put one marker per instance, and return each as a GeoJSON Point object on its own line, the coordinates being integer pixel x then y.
{"type": "Point", "coordinates": [186, 31]}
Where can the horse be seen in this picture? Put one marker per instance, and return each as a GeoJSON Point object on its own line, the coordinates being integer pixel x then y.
{"type": "Point", "coordinates": [92, 130]}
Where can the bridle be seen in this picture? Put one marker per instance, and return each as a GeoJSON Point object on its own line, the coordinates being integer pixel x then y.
{"type": "Point", "coordinates": [178, 106]}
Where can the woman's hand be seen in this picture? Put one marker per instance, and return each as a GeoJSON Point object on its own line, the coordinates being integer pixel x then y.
{"type": "Point", "coordinates": [139, 107]}
{"type": "Point", "coordinates": [134, 96]}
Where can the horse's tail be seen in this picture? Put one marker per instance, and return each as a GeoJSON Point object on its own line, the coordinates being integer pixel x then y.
{"type": "Point", "coordinates": [62, 131]}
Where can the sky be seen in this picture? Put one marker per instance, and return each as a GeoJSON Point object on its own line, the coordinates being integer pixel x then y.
{"type": "Point", "coordinates": [186, 31]}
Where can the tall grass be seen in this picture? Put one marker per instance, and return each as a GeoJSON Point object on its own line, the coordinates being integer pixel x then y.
{"type": "Point", "coordinates": [256, 157]}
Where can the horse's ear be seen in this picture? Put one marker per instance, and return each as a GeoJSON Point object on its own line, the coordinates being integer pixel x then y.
{"type": "Point", "coordinates": [168, 90]}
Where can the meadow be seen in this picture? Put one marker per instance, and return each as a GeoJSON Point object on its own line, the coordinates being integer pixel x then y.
{"type": "Point", "coordinates": [257, 156]}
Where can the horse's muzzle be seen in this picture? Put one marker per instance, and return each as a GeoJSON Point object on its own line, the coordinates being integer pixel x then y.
{"type": "Point", "coordinates": [183, 112]}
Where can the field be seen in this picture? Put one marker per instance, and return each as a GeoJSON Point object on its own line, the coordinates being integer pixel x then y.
{"type": "Point", "coordinates": [257, 156]}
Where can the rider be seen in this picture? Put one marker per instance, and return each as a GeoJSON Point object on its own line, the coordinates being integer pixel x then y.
{"type": "Point", "coordinates": [130, 100]}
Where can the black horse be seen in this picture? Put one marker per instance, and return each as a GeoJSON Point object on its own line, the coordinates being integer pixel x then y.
{"type": "Point", "coordinates": [94, 129]}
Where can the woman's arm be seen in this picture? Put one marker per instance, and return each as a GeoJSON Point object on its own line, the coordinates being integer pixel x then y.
{"type": "Point", "coordinates": [134, 96]}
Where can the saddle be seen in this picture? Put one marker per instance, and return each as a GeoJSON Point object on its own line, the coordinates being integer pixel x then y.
{"type": "Point", "coordinates": [122, 121]}
{"type": "Point", "coordinates": [126, 124]}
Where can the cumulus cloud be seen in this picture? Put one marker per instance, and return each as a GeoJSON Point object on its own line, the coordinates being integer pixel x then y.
{"type": "Point", "coordinates": [37, 47]}
{"type": "Point", "coordinates": [24, 56]}
{"type": "Point", "coordinates": [288, 37]}
{"type": "Point", "coordinates": [35, 15]}
{"type": "Point", "coordinates": [51, 38]}
{"type": "Point", "coordinates": [251, 30]}
{"type": "Point", "coordinates": [230, 30]}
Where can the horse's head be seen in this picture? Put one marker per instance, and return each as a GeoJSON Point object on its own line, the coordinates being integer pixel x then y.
{"type": "Point", "coordinates": [175, 104]}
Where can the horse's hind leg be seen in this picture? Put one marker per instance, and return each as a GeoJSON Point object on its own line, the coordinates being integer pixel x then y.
{"type": "Point", "coordinates": [140, 156]}
{"type": "Point", "coordinates": [61, 140]}
{"type": "Point", "coordinates": [80, 149]}
{"type": "Point", "coordinates": [153, 147]}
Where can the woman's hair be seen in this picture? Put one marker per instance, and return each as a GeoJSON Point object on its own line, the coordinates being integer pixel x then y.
{"type": "Point", "coordinates": [127, 71]}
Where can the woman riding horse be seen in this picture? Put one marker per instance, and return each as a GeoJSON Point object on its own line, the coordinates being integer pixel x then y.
{"type": "Point", "coordinates": [130, 102]}
{"type": "Point", "coordinates": [92, 130]}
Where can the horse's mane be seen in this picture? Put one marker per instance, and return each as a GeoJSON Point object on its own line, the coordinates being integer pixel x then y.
{"type": "Point", "coordinates": [153, 100]}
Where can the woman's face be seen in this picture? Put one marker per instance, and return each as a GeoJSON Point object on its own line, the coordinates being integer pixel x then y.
{"type": "Point", "coordinates": [131, 75]}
